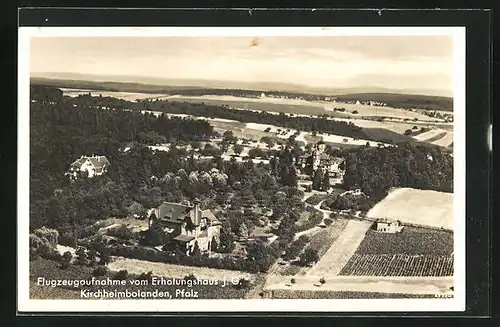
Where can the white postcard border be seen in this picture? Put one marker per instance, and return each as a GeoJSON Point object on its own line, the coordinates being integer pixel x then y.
{"type": "Point", "coordinates": [25, 304]}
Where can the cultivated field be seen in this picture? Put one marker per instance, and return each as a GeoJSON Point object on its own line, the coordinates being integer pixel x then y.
{"type": "Point", "coordinates": [304, 107]}
{"type": "Point", "coordinates": [412, 252]}
{"type": "Point", "coordinates": [398, 265]}
{"type": "Point", "coordinates": [410, 241]}
{"type": "Point", "coordinates": [419, 207]}
{"type": "Point", "coordinates": [341, 250]}
{"type": "Point", "coordinates": [322, 241]}
{"type": "Point", "coordinates": [391, 130]}
{"type": "Point", "coordinates": [366, 110]}
{"type": "Point", "coordinates": [436, 136]}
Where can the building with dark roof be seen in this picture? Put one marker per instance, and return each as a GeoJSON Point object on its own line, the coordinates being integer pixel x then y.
{"type": "Point", "coordinates": [187, 224]}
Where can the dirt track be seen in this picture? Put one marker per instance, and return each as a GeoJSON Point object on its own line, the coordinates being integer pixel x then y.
{"type": "Point", "coordinates": [396, 285]}
{"type": "Point", "coordinates": [341, 250]}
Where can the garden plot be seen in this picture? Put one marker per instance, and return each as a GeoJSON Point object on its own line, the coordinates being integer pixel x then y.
{"type": "Point", "coordinates": [418, 207]}
{"type": "Point", "coordinates": [341, 250]}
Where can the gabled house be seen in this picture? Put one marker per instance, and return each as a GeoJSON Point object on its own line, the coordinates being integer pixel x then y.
{"type": "Point", "coordinates": [92, 166]}
{"type": "Point", "coordinates": [187, 224]}
{"type": "Point", "coordinates": [388, 226]}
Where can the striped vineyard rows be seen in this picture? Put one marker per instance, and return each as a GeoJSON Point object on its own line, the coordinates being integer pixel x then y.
{"type": "Point", "coordinates": [398, 265]}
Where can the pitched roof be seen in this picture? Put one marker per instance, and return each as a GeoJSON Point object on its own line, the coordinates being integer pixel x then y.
{"type": "Point", "coordinates": [184, 238]}
{"type": "Point", "coordinates": [99, 161]}
{"type": "Point", "coordinates": [208, 214]}
{"type": "Point", "coordinates": [79, 162]}
{"type": "Point", "coordinates": [337, 160]}
{"type": "Point", "coordinates": [175, 211]}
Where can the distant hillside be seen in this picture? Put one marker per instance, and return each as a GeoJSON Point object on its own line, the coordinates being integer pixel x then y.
{"type": "Point", "coordinates": [403, 100]}
{"type": "Point", "coordinates": [162, 83]}
{"type": "Point", "coordinates": [106, 86]}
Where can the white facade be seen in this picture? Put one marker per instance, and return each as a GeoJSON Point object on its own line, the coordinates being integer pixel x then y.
{"type": "Point", "coordinates": [92, 166]}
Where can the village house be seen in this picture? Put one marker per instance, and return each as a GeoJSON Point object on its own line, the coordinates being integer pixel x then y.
{"type": "Point", "coordinates": [187, 224]}
{"type": "Point", "coordinates": [388, 226]}
{"type": "Point", "coordinates": [318, 159]}
{"type": "Point", "coordinates": [91, 166]}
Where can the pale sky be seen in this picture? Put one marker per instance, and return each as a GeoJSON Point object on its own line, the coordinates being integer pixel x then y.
{"type": "Point", "coordinates": [418, 62]}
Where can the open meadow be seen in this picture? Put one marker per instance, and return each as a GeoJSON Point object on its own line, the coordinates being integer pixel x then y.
{"type": "Point", "coordinates": [417, 207]}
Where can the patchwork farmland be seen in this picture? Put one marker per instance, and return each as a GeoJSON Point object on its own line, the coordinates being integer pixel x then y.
{"type": "Point", "coordinates": [436, 136]}
{"type": "Point", "coordinates": [398, 265]}
{"type": "Point", "coordinates": [413, 252]}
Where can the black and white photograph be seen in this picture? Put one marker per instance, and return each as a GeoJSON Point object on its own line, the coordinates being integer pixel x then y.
{"type": "Point", "coordinates": [251, 166]}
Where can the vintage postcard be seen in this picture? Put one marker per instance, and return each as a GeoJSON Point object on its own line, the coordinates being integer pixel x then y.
{"type": "Point", "coordinates": [241, 169]}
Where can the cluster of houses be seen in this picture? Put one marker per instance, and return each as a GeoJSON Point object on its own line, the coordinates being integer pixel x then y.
{"type": "Point", "coordinates": [317, 158]}
{"type": "Point", "coordinates": [366, 103]}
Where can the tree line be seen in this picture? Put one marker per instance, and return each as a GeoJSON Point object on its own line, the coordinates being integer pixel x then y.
{"type": "Point", "coordinates": [308, 124]}
{"type": "Point", "coordinates": [376, 170]}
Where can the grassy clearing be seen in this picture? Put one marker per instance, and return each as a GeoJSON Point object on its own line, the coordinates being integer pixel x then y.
{"type": "Point", "coordinates": [416, 207]}
{"type": "Point", "coordinates": [411, 241]}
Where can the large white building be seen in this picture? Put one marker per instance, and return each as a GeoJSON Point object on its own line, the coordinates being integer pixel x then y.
{"type": "Point", "coordinates": [91, 166]}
